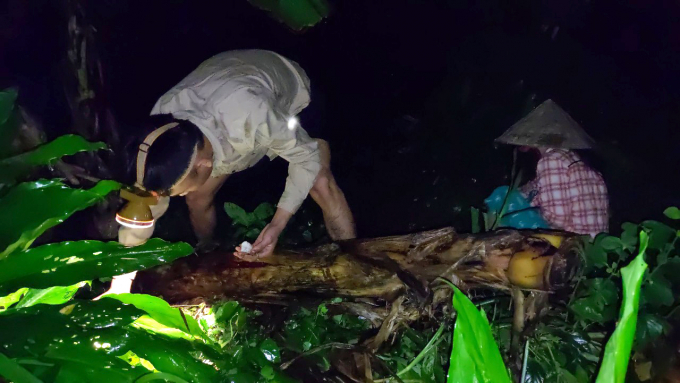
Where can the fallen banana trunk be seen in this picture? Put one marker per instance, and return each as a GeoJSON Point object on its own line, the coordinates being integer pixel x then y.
{"type": "Point", "coordinates": [383, 268]}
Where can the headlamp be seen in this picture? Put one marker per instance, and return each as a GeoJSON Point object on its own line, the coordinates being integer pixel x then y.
{"type": "Point", "coordinates": [136, 214]}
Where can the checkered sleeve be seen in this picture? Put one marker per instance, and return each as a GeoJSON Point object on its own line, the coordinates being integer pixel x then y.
{"type": "Point", "coordinates": [553, 191]}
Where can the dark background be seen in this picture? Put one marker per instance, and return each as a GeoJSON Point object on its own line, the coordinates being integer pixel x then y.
{"type": "Point", "coordinates": [414, 92]}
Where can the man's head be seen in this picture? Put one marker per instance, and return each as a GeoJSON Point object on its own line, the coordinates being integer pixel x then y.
{"type": "Point", "coordinates": [179, 161]}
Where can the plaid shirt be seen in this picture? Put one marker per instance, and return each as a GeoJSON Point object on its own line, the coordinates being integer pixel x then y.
{"type": "Point", "coordinates": [571, 196]}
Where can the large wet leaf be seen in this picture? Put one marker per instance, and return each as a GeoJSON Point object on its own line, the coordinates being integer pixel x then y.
{"type": "Point", "coordinates": [18, 166]}
{"type": "Point", "coordinates": [37, 328]}
{"type": "Point", "coordinates": [31, 208]}
{"type": "Point", "coordinates": [617, 352]}
{"type": "Point", "coordinates": [160, 311]}
{"type": "Point", "coordinates": [88, 341]}
{"type": "Point", "coordinates": [65, 263]}
{"type": "Point", "coordinates": [474, 356]}
{"type": "Point", "coordinates": [297, 14]}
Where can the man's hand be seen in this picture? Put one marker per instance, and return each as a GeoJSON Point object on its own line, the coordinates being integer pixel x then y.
{"type": "Point", "coordinates": [269, 236]}
{"type": "Point", "coordinates": [264, 245]}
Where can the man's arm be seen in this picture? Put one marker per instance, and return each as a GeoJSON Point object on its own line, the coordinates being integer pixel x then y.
{"type": "Point", "coordinates": [202, 209]}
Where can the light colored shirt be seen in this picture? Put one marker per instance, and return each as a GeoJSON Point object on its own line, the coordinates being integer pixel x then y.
{"type": "Point", "coordinates": [242, 101]}
{"type": "Point", "coordinates": [570, 195]}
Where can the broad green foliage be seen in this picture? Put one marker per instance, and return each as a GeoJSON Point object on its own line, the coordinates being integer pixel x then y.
{"type": "Point", "coordinates": [596, 299]}
{"type": "Point", "coordinates": [50, 296]}
{"type": "Point", "coordinates": [161, 312]}
{"type": "Point", "coordinates": [249, 353]}
{"type": "Point", "coordinates": [249, 225]}
{"type": "Point", "coordinates": [297, 14]}
{"type": "Point", "coordinates": [65, 263]}
{"type": "Point", "coordinates": [306, 330]}
{"type": "Point", "coordinates": [33, 207]}
{"type": "Point", "coordinates": [415, 358]}
{"type": "Point", "coordinates": [474, 356]}
{"type": "Point", "coordinates": [617, 351]}
{"type": "Point", "coordinates": [600, 303]}
{"type": "Point", "coordinates": [18, 166]}
{"type": "Point", "coordinates": [88, 341]}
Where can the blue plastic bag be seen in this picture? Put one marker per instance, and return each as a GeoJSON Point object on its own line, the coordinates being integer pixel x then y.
{"type": "Point", "coordinates": [519, 213]}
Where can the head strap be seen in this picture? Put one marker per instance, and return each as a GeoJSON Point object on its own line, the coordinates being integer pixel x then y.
{"type": "Point", "coordinates": [144, 148]}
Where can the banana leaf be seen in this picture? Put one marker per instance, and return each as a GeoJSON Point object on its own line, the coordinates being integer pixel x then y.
{"type": "Point", "coordinates": [474, 356]}
{"type": "Point", "coordinates": [296, 14]}
{"type": "Point", "coordinates": [61, 264]}
{"type": "Point", "coordinates": [617, 352]}
{"type": "Point", "coordinates": [15, 167]}
{"type": "Point", "coordinates": [30, 208]}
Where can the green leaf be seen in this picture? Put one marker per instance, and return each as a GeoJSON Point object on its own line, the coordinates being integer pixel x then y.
{"type": "Point", "coordinates": [236, 213]}
{"type": "Point", "coordinates": [93, 334]}
{"type": "Point", "coordinates": [597, 302]}
{"type": "Point", "coordinates": [267, 372]}
{"type": "Point", "coordinates": [672, 213]}
{"type": "Point", "coordinates": [629, 236]}
{"type": "Point", "coordinates": [20, 165]}
{"type": "Point", "coordinates": [8, 98]}
{"type": "Point", "coordinates": [31, 208]}
{"type": "Point", "coordinates": [163, 313]}
{"type": "Point", "coordinates": [660, 234]}
{"type": "Point", "coordinates": [55, 295]}
{"type": "Point", "coordinates": [595, 255]}
{"type": "Point", "coordinates": [100, 314]}
{"type": "Point", "coordinates": [65, 263]}
{"type": "Point", "coordinates": [252, 233]}
{"type": "Point", "coordinates": [12, 298]}
{"type": "Point", "coordinates": [649, 328]}
{"type": "Point", "coordinates": [474, 356]}
{"type": "Point", "coordinates": [270, 350]}
{"type": "Point", "coordinates": [14, 372]}
{"type": "Point", "coordinates": [611, 243]}
{"type": "Point", "coordinates": [297, 14]}
{"type": "Point", "coordinates": [618, 348]}
{"type": "Point", "coordinates": [658, 291]}
{"type": "Point", "coordinates": [264, 211]}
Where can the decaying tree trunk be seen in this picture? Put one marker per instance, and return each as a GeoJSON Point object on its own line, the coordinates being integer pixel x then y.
{"type": "Point", "coordinates": [382, 268]}
{"type": "Point", "coordinates": [401, 272]}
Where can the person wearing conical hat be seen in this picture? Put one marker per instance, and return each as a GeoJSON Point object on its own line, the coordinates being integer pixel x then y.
{"type": "Point", "coordinates": [570, 194]}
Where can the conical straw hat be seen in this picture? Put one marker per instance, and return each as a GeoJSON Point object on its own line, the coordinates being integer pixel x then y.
{"type": "Point", "coordinates": [547, 126]}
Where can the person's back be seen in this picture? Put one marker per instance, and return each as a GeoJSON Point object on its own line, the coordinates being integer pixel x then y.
{"type": "Point", "coordinates": [228, 72]}
{"type": "Point", "coordinates": [572, 196]}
